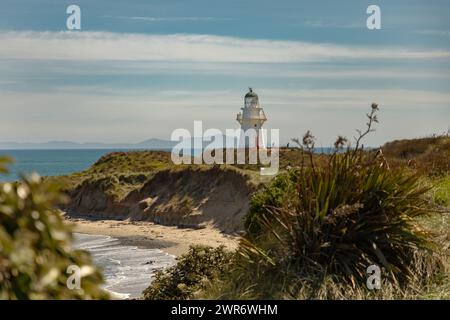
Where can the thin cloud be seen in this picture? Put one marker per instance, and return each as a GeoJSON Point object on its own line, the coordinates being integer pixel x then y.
{"type": "Point", "coordinates": [445, 33]}
{"type": "Point", "coordinates": [331, 24]}
{"type": "Point", "coordinates": [169, 19]}
{"type": "Point", "coordinates": [103, 46]}
{"type": "Point", "coordinates": [28, 70]}
{"type": "Point", "coordinates": [191, 100]}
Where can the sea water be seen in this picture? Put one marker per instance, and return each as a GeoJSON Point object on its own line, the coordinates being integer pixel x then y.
{"type": "Point", "coordinates": [127, 270]}
{"type": "Point", "coordinates": [50, 162]}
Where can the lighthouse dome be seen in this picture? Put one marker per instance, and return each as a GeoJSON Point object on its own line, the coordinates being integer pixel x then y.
{"type": "Point", "coordinates": [251, 94]}
{"type": "Point", "coordinates": [251, 99]}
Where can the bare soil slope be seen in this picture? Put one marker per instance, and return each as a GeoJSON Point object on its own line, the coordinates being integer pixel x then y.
{"type": "Point", "coordinates": [189, 197]}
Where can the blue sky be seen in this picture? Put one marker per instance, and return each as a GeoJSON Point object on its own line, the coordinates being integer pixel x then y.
{"type": "Point", "coordinates": [140, 69]}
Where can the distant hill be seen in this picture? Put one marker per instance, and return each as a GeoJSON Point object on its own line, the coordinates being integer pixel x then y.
{"type": "Point", "coordinates": [156, 144]}
{"type": "Point", "coordinates": [152, 144]}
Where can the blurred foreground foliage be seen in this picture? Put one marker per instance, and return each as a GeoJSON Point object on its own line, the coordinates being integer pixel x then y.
{"type": "Point", "coordinates": [36, 246]}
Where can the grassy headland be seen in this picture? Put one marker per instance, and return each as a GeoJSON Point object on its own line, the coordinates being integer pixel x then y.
{"type": "Point", "coordinates": [145, 185]}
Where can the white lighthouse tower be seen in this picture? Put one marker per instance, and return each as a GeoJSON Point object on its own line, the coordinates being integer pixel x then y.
{"type": "Point", "coordinates": [252, 117]}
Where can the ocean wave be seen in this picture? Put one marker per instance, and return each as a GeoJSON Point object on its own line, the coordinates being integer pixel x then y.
{"type": "Point", "coordinates": [127, 270]}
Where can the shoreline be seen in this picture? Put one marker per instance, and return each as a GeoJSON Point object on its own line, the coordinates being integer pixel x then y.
{"type": "Point", "coordinates": [170, 239]}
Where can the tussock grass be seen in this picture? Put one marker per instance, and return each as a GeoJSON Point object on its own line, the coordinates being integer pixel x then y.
{"type": "Point", "coordinates": [317, 240]}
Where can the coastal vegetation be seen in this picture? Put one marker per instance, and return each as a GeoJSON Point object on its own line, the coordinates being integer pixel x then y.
{"type": "Point", "coordinates": [313, 231]}
{"type": "Point", "coordinates": [333, 224]}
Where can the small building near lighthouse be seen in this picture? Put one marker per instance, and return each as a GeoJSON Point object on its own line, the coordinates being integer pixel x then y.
{"type": "Point", "coordinates": [251, 119]}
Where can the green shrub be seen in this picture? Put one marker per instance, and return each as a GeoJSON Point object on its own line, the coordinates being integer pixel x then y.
{"type": "Point", "coordinates": [36, 246]}
{"type": "Point", "coordinates": [193, 271]}
{"type": "Point", "coordinates": [274, 195]}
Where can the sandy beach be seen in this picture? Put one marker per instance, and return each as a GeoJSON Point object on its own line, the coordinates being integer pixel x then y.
{"type": "Point", "coordinates": [173, 240]}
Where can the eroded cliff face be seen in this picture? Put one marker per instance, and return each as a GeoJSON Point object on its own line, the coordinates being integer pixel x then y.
{"type": "Point", "coordinates": [188, 197]}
